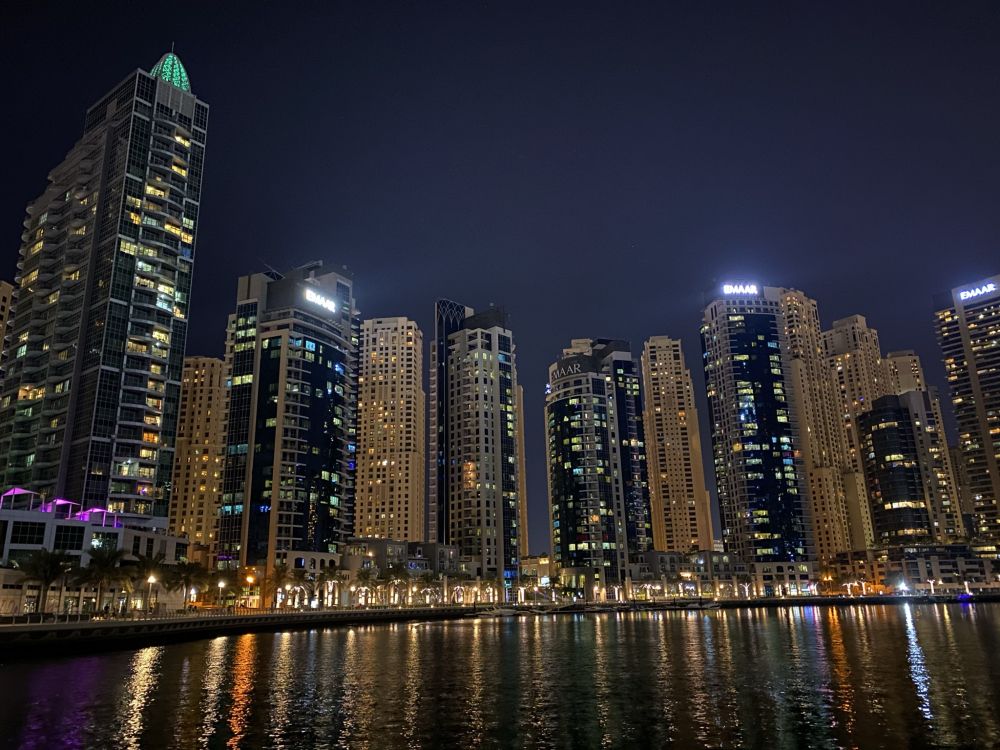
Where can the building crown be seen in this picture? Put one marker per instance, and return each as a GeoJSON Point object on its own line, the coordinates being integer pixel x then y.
{"type": "Point", "coordinates": [171, 69]}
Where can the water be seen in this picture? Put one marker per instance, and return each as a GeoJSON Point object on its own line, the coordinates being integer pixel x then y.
{"type": "Point", "coordinates": [870, 677]}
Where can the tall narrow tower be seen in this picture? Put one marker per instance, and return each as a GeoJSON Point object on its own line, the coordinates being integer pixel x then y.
{"type": "Point", "coordinates": [681, 509]}
{"type": "Point", "coordinates": [756, 453]}
{"type": "Point", "coordinates": [291, 364]}
{"type": "Point", "coordinates": [598, 487]}
{"type": "Point", "coordinates": [95, 352]}
{"type": "Point", "coordinates": [391, 409]}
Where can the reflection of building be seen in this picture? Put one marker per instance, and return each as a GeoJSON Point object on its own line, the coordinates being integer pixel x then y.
{"type": "Point", "coordinates": [391, 409]}
{"type": "Point", "coordinates": [968, 331]}
{"type": "Point", "coordinates": [475, 473]}
{"type": "Point", "coordinates": [910, 481]}
{"type": "Point", "coordinates": [598, 494]}
{"type": "Point", "coordinates": [754, 440]}
{"type": "Point", "coordinates": [200, 447]}
{"type": "Point", "coordinates": [93, 361]}
{"type": "Point", "coordinates": [288, 478]}
{"type": "Point", "coordinates": [680, 504]}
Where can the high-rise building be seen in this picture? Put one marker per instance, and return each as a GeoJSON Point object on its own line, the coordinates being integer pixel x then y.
{"type": "Point", "coordinates": [910, 481]}
{"type": "Point", "coordinates": [6, 306]}
{"type": "Point", "coordinates": [522, 479]}
{"type": "Point", "coordinates": [598, 487]}
{"type": "Point", "coordinates": [854, 359]}
{"type": "Point", "coordinates": [679, 501]}
{"type": "Point", "coordinates": [822, 439]}
{"type": "Point", "coordinates": [903, 372]}
{"type": "Point", "coordinates": [968, 332]}
{"type": "Point", "coordinates": [391, 412]}
{"type": "Point", "coordinates": [291, 363]}
{"type": "Point", "coordinates": [200, 447]}
{"type": "Point", "coordinates": [475, 471]}
{"type": "Point", "coordinates": [95, 351]}
{"type": "Point", "coordinates": [756, 455]}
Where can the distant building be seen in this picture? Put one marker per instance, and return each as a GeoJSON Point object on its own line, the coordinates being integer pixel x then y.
{"type": "Point", "coordinates": [854, 359]}
{"type": "Point", "coordinates": [903, 372]}
{"type": "Point", "coordinates": [968, 332]}
{"type": "Point", "coordinates": [199, 451]}
{"type": "Point", "coordinates": [819, 424]}
{"type": "Point", "coordinates": [291, 363]}
{"type": "Point", "coordinates": [756, 451]}
{"type": "Point", "coordinates": [598, 487]}
{"type": "Point", "coordinates": [93, 359]}
{"type": "Point", "coordinates": [391, 412]}
{"type": "Point", "coordinates": [681, 508]}
{"type": "Point", "coordinates": [910, 481]}
{"type": "Point", "coordinates": [475, 471]}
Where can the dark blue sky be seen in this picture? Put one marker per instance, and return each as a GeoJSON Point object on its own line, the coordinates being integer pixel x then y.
{"type": "Point", "coordinates": [592, 167]}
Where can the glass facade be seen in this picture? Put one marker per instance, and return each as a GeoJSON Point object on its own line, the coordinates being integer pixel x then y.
{"type": "Point", "coordinates": [598, 486]}
{"type": "Point", "coordinates": [754, 442]}
{"type": "Point", "coordinates": [89, 403]}
{"type": "Point", "coordinates": [288, 476]}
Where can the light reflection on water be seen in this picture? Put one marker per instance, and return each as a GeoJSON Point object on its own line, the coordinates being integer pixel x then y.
{"type": "Point", "coordinates": [882, 677]}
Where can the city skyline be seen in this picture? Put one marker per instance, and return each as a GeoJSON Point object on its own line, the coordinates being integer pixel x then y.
{"type": "Point", "coordinates": [742, 235]}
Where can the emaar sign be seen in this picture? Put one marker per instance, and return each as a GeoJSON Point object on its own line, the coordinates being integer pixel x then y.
{"type": "Point", "coordinates": [318, 299]}
{"type": "Point", "coordinates": [978, 291]}
{"type": "Point", "coordinates": [739, 289]}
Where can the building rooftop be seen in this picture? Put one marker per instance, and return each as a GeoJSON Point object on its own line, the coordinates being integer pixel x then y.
{"type": "Point", "coordinates": [171, 69]}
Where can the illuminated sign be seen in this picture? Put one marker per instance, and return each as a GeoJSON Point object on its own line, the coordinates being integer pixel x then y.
{"type": "Point", "coordinates": [318, 299]}
{"type": "Point", "coordinates": [739, 289]}
{"type": "Point", "coordinates": [978, 291]}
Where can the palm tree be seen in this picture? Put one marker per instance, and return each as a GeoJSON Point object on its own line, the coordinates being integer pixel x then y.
{"type": "Point", "coordinates": [364, 577]}
{"type": "Point", "coordinates": [277, 580]}
{"type": "Point", "coordinates": [146, 567]}
{"type": "Point", "coordinates": [102, 570]}
{"type": "Point", "coordinates": [46, 568]}
{"type": "Point", "coordinates": [185, 576]}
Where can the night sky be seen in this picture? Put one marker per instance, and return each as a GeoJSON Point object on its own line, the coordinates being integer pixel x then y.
{"type": "Point", "coordinates": [592, 168]}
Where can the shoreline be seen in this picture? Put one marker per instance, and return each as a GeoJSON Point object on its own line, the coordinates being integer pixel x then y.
{"type": "Point", "coordinates": [26, 641]}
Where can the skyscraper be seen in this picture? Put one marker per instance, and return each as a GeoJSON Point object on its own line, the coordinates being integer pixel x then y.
{"type": "Point", "coordinates": [94, 355]}
{"type": "Point", "coordinates": [200, 447]}
{"type": "Point", "coordinates": [391, 412]}
{"type": "Point", "coordinates": [291, 363]}
{"type": "Point", "coordinates": [679, 501]}
{"type": "Point", "coordinates": [968, 332]}
{"type": "Point", "coordinates": [821, 436]}
{"type": "Point", "coordinates": [854, 359]}
{"type": "Point", "coordinates": [474, 439]}
{"type": "Point", "coordinates": [598, 487]}
{"type": "Point", "coordinates": [759, 474]}
{"type": "Point", "coordinates": [903, 372]}
{"type": "Point", "coordinates": [910, 482]}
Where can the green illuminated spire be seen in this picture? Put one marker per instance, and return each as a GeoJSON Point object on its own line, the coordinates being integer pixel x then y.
{"type": "Point", "coordinates": [171, 70]}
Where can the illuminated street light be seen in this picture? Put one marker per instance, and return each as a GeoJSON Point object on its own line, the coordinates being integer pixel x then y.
{"type": "Point", "coordinates": [149, 593]}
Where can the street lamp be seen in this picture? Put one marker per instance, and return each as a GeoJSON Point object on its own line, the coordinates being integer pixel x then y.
{"type": "Point", "coordinates": [250, 580]}
{"type": "Point", "coordinates": [222, 585]}
{"type": "Point", "coordinates": [931, 582]}
{"type": "Point", "coordinates": [149, 593]}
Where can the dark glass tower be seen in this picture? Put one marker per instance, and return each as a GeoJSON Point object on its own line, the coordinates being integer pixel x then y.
{"type": "Point", "coordinates": [968, 332]}
{"type": "Point", "coordinates": [754, 442]}
{"type": "Point", "coordinates": [288, 476]}
{"type": "Point", "coordinates": [598, 486]}
{"type": "Point", "coordinates": [94, 354]}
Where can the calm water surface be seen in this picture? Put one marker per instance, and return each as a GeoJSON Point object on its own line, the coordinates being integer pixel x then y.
{"type": "Point", "coordinates": [915, 676]}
